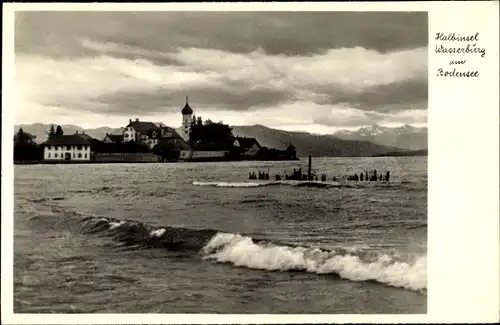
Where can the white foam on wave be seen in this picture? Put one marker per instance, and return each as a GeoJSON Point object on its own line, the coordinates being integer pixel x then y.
{"type": "Point", "coordinates": [157, 232]}
{"type": "Point", "coordinates": [230, 184]}
{"type": "Point", "coordinates": [242, 251]}
{"type": "Point", "coordinates": [113, 225]}
{"type": "Point", "coordinates": [263, 183]}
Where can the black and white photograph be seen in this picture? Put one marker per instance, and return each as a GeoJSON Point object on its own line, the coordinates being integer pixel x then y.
{"type": "Point", "coordinates": [220, 162]}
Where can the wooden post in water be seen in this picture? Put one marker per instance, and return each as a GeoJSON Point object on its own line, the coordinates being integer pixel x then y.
{"type": "Point", "coordinates": [309, 168]}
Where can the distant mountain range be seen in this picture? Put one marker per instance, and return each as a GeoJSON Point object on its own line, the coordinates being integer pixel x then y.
{"type": "Point", "coordinates": [312, 144]}
{"type": "Point", "coordinates": [406, 136]}
{"type": "Point", "coordinates": [370, 141]}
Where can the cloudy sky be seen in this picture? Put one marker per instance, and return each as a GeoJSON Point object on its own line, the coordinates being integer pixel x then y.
{"type": "Point", "coordinates": [309, 71]}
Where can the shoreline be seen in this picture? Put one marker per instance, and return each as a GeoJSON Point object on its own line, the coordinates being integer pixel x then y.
{"type": "Point", "coordinates": [73, 162]}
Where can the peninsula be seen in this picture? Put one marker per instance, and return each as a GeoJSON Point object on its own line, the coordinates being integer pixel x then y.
{"type": "Point", "coordinates": [145, 141]}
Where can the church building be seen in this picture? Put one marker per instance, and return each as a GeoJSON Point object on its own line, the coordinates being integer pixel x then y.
{"type": "Point", "coordinates": [187, 119]}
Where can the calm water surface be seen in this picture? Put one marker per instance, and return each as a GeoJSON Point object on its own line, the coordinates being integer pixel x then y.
{"type": "Point", "coordinates": [201, 237]}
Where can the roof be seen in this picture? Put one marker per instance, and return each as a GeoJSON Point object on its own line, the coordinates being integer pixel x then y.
{"type": "Point", "coordinates": [247, 143]}
{"type": "Point", "coordinates": [115, 137]}
{"type": "Point", "coordinates": [142, 127]}
{"type": "Point", "coordinates": [171, 144]}
{"type": "Point", "coordinates": [72, 139]}
{"type": "Point", "coordinates": [83, 135]}
{"type": "Point", "coordinates": [187, 109]}
{"type": "Point", "coordinates": [172, 131]}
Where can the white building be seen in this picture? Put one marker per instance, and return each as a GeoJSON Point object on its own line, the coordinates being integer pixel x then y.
{"type": "Point", "coordinates": [67, 147]}
{"type": "Point", "coordinates": [142, 132]}
{"type": "Point", "coordinates": [187, 119]}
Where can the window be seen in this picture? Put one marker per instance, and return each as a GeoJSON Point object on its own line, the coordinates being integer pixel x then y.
{"type": "Point", "coordinates": [126, 135]}
{"type": "Point", "coordinates": [79, 147]}
{"type": "Point", "coordinates": [74, 155]}
{"type": "Point", "coordinates": [55, 155]}
{"type": "Point", "coordinates": [79, 155]}
{"type": "Point", "coordinates": [48, 155]}
{"type": "Point", "coordinates": [85, 156]}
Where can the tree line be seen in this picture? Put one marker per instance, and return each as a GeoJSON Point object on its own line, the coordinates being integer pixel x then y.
{"type": "Point", "coordinates": [208, 132]}
{"type": "Point", "coordinates": [57, 132]}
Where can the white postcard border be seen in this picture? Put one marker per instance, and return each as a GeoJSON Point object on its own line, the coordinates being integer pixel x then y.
{"type": "Point", "coordinates": [463, 227]}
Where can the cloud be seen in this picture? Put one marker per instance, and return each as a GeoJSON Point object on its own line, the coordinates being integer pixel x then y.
{"type": "Point", "coordinates": [274, 68]}
{"type": "Point", "coordinates": [291, 33]}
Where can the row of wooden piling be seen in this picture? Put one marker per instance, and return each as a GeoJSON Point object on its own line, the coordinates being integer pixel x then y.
{"type": "Point", "coordinates": [261, 176]}
{"type": "Point", "coordinates": [372, 178]}
{"type": "Point", "coordinates": [298, 175]}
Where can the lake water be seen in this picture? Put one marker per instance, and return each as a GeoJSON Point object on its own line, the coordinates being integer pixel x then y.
{"type": "Point", "coordinates": [202, 238]}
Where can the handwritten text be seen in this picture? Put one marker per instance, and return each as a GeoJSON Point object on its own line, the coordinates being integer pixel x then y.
{"type": "Point", "coordinates": [459, 48]}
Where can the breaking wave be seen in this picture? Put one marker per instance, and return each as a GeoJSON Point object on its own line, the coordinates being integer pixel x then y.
{"type": "Point", "coordinates": [244, 251]}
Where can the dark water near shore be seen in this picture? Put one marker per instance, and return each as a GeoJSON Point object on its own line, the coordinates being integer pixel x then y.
{"type": "Point", "coordinates": [199, 237]}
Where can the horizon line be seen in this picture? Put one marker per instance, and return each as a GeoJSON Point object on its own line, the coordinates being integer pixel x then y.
{"type": "Point", "coordinates": [351, 128]}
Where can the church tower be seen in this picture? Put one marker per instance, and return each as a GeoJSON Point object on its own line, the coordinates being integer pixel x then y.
{"type": "Point", "coordinates": [187, 119]}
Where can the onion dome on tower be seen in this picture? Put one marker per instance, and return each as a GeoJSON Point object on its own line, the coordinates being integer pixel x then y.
{"type": "Point", "coordinates": [187, 110]}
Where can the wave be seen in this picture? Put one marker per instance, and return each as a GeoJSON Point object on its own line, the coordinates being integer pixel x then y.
{"type": "Point", "coordinates": [132, 233]}
{"type": "Point", "coordinates": [244, 251]}
{"type": "Point", "coordinates": [315, 184]}
{"type": "Point", "coordinates": [233, 184]}
{"type": "Point", "coordinates": [269, 183]}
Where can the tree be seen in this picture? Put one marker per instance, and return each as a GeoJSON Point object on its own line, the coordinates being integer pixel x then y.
{"type": "Point", "coordinates": [25, 147]}
{"type": "Point", "coordinates": [23, 138]}
{"type": "Point", "coordinates": [209, 132]}
{"type": "Point", "coordinates": [59, 131]}
{"type": "Point", "coordinates": [52, 132]}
